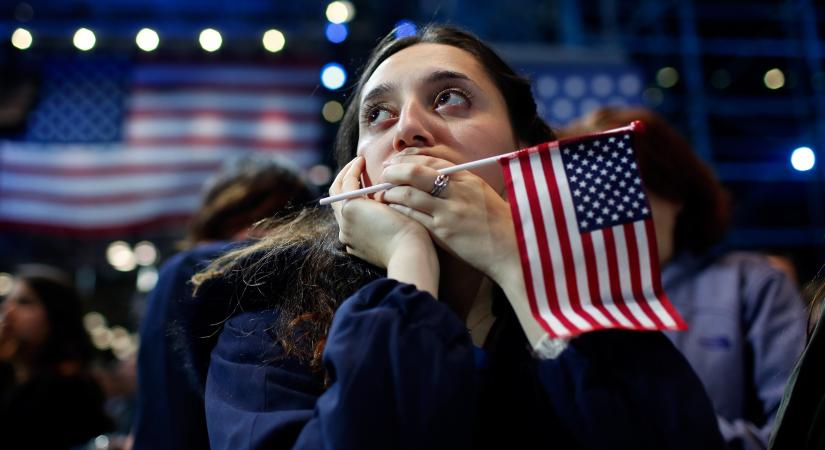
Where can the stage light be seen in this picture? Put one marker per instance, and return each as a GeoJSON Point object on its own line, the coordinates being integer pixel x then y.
{"type": "Point", "coordinates": [210, 40]}
{"type": "Point", "coordinates": [336, 32]}
{"type": "Point", "coordinates": [274, 41]}
{"type": "Point", "coordinates": [667, 77]}
{"type": "Point", "coordinates": [774, 79]}
{"type": "Point", "coordinates": [333, 76]}
{"type": "Point", "coordinates": [405, 28]}
{"type": "Point", "coordinates": [340, 12]}
{"type": "Point", "coordinates": [332, 111]}
{"type": "Point", "coordinates": [147, 39]}
{"type": "Point", "coordinates": [803, 159]}
{"type": "Point", "coordinates": [84, 39]}
{"type": "Point", "coordinates": [21, 38]}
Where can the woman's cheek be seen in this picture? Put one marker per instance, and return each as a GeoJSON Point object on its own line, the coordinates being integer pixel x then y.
{"type": "Point", "coordinates": [375, 155]}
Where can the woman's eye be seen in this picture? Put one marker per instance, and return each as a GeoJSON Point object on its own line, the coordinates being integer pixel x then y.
{"type": "Point", "coordinates": [377, 115]}
{"type": "Point", "coordinates": [450, 98]}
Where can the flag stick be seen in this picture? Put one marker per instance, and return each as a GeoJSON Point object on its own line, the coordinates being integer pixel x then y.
{"type": "Point", "coordinates": [466, 166]}
{"type": "Point", "coordinates": [380, 187]}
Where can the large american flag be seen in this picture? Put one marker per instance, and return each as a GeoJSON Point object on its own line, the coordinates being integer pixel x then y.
{"type": "Point", "coordinates": [115, 147]}
{"type": "Point", "coordinates": [586, 236]}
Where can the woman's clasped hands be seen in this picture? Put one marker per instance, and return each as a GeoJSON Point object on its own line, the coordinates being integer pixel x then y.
{"type": "Point", "coordinates": [468, 219]}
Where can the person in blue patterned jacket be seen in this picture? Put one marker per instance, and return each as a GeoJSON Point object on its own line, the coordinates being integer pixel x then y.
{"type": "Point", "coordinates": [746, 318]}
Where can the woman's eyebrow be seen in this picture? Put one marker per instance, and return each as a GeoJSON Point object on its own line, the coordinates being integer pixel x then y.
{"type": "Point", "coordinates": [434, 77]}
{"type": "Point", "coordinates": [441, 75]}
{"type": "Point", "coordinates": [378, 91]}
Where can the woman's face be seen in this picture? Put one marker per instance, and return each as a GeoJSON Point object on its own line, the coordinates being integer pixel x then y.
{"type": "Point", "coordinates": [434, 100]}
{"type": "Point", "coordinates": [23, 317]}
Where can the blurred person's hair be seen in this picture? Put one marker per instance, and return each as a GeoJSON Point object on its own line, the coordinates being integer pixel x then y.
{"type": "Point", "coordinates": [246, 191]}
{"type": "Point", "coordinates": [671, 170]}
{"type": "Point", "coordinates": [67, 339]}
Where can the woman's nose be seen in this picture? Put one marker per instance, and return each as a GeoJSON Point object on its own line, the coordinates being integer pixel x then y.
{"type": "Point", "coordinates": [414, 128]}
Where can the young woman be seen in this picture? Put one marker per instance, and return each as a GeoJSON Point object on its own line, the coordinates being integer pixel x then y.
{"type": "Point", "coordinates": [430, 345]}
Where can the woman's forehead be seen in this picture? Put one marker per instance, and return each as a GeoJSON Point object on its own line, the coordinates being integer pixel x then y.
{"type": "Point", "coordinates": [416, 62]}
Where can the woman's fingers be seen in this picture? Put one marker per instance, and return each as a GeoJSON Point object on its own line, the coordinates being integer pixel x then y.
{"type": "Point", "coordinates": [424, 219]}
{"type": "Point", "coordinates": [411, 197]}
{"type": "Point", "coordinates": [410, 174]}
{"type": "Point", "coordinates": [352, 179]}
{"type": "Point", "coordinates": [348, 179]}
{"type": "Point", "coordinates": [336, 186]}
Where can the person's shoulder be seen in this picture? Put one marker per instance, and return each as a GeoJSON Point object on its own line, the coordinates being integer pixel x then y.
{"type": "Point", "coordinates": [750, 264]}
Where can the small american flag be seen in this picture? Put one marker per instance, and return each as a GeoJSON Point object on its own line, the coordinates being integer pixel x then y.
{"type": "Point", "coordinates": [586, 236]}
{"type": "Point", "coordinates": [115, 147]}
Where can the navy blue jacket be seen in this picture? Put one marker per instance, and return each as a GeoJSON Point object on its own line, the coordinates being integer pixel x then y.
{"type": "Point", "coordinates": [174, 336]}
{"type": "Point", "coordinates": [403, 374]}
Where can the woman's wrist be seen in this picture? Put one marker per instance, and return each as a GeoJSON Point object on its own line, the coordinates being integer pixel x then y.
{"type": "Point", "coordinates": [417, 265]}
{"type": "Point", "coordinates": [511, 281]}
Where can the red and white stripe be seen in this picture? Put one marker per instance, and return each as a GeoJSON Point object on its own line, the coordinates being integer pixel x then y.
{"type": "Point", "coordinates": [182, 123]}
{"type": "Point", "coordinates": [579, 282]}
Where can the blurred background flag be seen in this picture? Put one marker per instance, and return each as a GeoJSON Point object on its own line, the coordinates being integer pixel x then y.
{"type": "Point", "coordinates": [571, 91]}
{"type": "Point", "coordinates": [112, 147]}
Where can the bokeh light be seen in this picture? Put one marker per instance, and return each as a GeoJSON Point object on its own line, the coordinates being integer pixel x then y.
{"type": "Point", "coordinates": [147, 278]}
{"type": "Point", "coordinates": [210, 40]}
{"type": "Point", "coordinates": [333, 76]}
{"type": "Point", "coordinates": [146, 253]}
{"type": "Point", "coordinates": [336, 32]}
{"type": "Point", "coordinates": [667, 77]}
{"type": "Point", "coordinates": [332, 111]}
{"type": "Point", "coordinates": [274, 41]}
{"type": "Point", "coordinates": [319, 175]}
{"type": "Point", "coordinates": [84, 39]}
{"type": "Point", "coordinates": [121, 256]}
{"type": "Point", "coordinates": [6, 283]}
{"type": "Point", "coordinates": [147, 39]}
{"type": "Point", "coordinates": [803, 159]}
{"type": "Point", "coordinates": [340, 12]}
{"type": "Point", "coordinates": [93, 320]}
{"type": "Point", "coordinates": [774, 79]}
{"type": "Point", "coordinates": [21, 39]}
